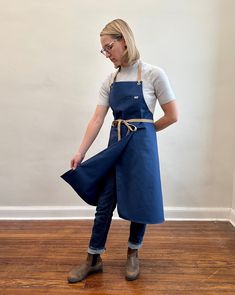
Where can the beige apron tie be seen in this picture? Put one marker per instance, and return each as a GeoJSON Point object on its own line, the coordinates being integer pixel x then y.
{"type": "Point", "coordinates": [131, 128]}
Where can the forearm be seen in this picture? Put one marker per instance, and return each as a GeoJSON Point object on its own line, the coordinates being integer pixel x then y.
{"type": "Point", "coordinates": [164, 122]}
{"type": "Point", "coordinates": [92, 131]}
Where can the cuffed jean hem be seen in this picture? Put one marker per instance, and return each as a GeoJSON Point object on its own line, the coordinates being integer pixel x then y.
{"type": "Point", "coordinates": [95, 251]}
{"type": "Point", "coordinates": [134, 246]}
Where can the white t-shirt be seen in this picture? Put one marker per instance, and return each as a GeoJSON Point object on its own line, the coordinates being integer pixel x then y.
{"type": "Point", "coordinates": [156, 85]}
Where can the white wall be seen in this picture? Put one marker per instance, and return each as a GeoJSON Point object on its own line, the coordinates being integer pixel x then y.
{"type": "Point", "coordinates": [223, 144]}
{"type": "Point", "coordinates": [51, 71]}
{"type": "Point", "coordinates": [224, 126]}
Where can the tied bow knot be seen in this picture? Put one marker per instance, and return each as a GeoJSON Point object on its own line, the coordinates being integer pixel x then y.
{"type": "Point", "coordinates": [130, 127]}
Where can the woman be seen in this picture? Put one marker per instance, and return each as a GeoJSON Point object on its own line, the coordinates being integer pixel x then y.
{"type": "Point", "coordinates": [127, 172]}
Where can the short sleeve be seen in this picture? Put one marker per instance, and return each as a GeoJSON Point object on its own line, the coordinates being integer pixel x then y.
{"type": "Point", "coordinates": [163, 89]}
{"type": "Point", "coordinates": [103, 98]}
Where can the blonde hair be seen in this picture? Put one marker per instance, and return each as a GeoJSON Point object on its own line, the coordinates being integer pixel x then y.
{"type": "Point", "coordinates": [118, 29]}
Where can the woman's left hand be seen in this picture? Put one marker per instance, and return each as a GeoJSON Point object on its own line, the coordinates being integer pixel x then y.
{"type": "Point", "coordinates": [170, 116]}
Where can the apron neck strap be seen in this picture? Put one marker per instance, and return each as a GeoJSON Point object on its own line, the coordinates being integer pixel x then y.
{"type": "Point", "coordinates": [138, 73]}
{"type": "Point", "coordinates": [115, 75]}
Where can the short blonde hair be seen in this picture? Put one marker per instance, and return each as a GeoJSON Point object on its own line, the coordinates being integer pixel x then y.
{"type": "Point", "coordinates": [118, 29]}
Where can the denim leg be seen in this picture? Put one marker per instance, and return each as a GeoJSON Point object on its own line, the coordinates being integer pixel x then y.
{"type": "Point", "coordinates": [103, 217]}
{"type": "Point", "coordinates": [137, 231]}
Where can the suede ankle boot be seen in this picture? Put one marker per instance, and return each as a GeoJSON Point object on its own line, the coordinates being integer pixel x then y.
{"type": "Point", "coordinates": [132, 264]}
{"type": "Point", "coordinates": [92, 264]}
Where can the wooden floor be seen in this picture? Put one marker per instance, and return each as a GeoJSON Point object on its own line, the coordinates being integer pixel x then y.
{"type": "Point", "coordinates": [177, 258]}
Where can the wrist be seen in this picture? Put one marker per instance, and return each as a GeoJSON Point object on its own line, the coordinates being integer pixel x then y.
{"type": "Point", "coordinates": [81, 153]}
{"type": "Point", "coordinates": [155, 125]}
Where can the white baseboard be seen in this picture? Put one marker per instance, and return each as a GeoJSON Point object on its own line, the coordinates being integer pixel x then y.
{"type": "Point", "coordinates": [197, 213]}
{"type": "Point", "coordinates": [87, 212]}
{"type": "Point", "coordinates": [232, 217]}
{"type": "Point", "coordinates": [46, 212]}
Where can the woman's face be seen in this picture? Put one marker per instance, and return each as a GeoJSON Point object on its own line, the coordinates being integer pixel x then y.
{"type": "Point", "coordinates": [113, 49]}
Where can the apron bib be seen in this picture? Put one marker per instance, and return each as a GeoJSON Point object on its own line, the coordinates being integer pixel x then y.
{"type": "Point", "coordinates": [132, 151]}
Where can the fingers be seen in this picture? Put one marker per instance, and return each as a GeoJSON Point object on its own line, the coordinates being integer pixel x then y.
{"type": "Point", "coordinates": [75, 163]}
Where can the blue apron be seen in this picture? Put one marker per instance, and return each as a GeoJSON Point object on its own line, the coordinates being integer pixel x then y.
{"type": "Point", "coordinates": [132, 151]}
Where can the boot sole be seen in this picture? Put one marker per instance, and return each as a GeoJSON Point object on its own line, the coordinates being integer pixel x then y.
{"type": "Point", "coordinates": [74, 280]}
{"type": "Point", "coordinates": [132, 278]}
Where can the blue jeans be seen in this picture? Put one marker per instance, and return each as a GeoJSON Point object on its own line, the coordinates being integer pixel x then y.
{"type": "Point", "coordinates": [103, 217]}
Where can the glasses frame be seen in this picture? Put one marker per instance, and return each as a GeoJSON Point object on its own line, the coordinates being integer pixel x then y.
{"type": "Point", "coordinates": [109, 46]}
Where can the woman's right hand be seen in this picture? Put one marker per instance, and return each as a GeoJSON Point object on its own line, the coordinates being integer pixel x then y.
{"type": "Point", "coordinates": [76, 160]}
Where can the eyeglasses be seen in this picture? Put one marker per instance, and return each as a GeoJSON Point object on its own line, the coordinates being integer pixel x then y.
{"type": "Point", "coordinates": [108, 47]}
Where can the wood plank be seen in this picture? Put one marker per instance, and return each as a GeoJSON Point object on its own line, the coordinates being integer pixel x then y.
{"type": "Point", "coordinates": [178, 257]}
